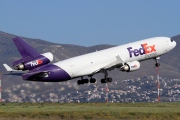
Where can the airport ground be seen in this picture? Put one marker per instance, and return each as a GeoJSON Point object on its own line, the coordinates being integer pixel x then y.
{"type": "Point", "coordinates": [92, 111]}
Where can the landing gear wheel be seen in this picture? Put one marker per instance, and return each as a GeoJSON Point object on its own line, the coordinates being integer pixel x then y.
{"type": "Point", "coordinates": [85, 80]}
{"type": "Point", "coordinates": [103, 80]}
{"type": "Point", "coordinates": [106, 80]}
{"type": "Point", "coordinates": [157, 64]}
{"type": "Point", "coordinates": [92, 80]}
{"type": "Point", "coordinates": [109, 79]}
{"type": "Point", "coordinates": [80, 82]}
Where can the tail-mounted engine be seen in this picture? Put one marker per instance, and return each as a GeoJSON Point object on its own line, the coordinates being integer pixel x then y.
{"type": "Point", "coordinates": [130, 66]}
{"type": "Point", "coordinates": [31, 63]}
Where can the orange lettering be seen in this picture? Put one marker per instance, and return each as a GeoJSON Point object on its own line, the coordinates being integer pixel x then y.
{"type": "Point", "coordinates": [146, 48]}
{"type": "Point", "coordinates": [153, 48]}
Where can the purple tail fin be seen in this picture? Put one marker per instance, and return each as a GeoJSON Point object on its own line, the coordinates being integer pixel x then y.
{"type": "Point", "coordinates": [24, 49]}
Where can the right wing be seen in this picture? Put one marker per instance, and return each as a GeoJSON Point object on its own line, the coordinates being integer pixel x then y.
{"type": "Point", "coordinates": [35, 75]}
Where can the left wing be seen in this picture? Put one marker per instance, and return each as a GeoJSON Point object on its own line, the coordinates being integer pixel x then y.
{"type": "Point", "coordinates": [108, 65]}
{"type": "Point", "coordinates": [111, 65]}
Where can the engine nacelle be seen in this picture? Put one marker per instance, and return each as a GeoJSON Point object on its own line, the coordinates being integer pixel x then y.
{"type": "Point", "coordinates": [35, 62]}
{"type": "Point", "coordinates": [130, 66]}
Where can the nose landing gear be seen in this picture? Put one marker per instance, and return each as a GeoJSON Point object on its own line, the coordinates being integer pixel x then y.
{"type": "Point", "coordinates": [157, 64]}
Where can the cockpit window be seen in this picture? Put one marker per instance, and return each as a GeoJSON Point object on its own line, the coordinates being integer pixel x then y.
{"type": "Point", "coordinates": [172, 40]}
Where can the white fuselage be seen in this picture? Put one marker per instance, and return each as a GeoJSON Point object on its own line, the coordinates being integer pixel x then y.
{"type": "Point", "coordinates": [137, 51]}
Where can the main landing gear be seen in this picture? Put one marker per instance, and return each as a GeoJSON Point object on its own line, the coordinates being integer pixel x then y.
{"type": "Point", "coordinates": [106, 79]}
{"type": "Point", "coordinates": [83, 81]}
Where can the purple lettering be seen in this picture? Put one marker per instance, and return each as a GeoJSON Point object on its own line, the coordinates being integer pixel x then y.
{"type": "Point", "coordinates": [136, 52]}
{"type": "Point", "coordinates": [144, 49]}
{"type": "Point", "coordinates": [141, 50]}
{"type": "Point", "coordinates": [130, 52]}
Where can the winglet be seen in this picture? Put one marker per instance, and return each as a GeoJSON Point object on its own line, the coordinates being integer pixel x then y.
{"type": "Point", "coordinates": [9, 69]}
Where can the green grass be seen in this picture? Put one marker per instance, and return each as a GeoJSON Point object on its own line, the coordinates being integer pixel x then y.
{"type": "Point", "coordinates": [94, 111]}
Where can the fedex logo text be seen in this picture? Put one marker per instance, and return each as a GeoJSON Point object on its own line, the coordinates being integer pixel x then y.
{"type": "Point", "coordinates": [134, 66]}
{"type": "Point", "coordinates": [36, 62]}
{"type": "Point", "coordinates": [145, 49]}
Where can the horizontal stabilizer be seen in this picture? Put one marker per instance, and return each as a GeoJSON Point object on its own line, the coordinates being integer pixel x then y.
{"type": "Point", "coordinates": [15, 74]}
{"type": "Point", "coordinates": [12, 71]}
{"type": "Point", "coordinates": [9, 69]}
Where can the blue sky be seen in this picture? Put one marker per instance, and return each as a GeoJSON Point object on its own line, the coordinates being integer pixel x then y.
{"type": "Point", "coordinates": [90, 22]}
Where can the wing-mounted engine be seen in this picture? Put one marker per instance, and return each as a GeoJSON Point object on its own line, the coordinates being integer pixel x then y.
{"type": "Point", "coordinates": [130, 66]}
{"type": "Point", "coordinates": [33, 62]}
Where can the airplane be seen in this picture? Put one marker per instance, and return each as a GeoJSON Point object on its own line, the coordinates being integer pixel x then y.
{"type": "Point", "coordinates": [34, 66]}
